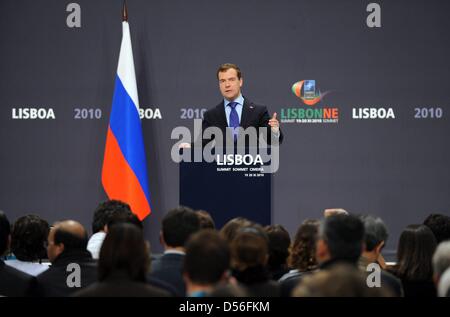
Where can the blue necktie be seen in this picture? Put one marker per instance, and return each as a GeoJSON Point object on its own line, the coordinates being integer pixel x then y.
{"type": "Point", "coordinates": [234, 119]}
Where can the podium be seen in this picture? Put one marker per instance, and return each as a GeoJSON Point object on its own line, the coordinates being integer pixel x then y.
{"type": "Point", "coordinates": [226, 191]}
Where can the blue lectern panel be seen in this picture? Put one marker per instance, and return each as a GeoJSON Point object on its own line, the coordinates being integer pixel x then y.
{"type": "Point", "coordinates": [227, 191]}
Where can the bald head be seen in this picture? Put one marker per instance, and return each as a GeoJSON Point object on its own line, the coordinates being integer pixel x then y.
{"type": "Point", "coordinates": [66, 236]}
{"type": "Point", "coordinates": [72, 227]}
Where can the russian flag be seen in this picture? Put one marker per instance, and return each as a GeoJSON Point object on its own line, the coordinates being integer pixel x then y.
{"type": "Point", "coordinates": [124, 172]}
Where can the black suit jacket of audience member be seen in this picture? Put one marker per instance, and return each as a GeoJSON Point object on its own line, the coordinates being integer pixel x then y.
{"type": "Point", "coordinates": [252, 116]}
{"type": "Point", "coordinates": [53, 282]}
{"type": "Point", "coordinates": [289, 284]}
{"type": "Point", "coordinates": [118, 284]}
{"type": "Point", "coordinates": [168, 268]}
{"type": "Point", "coordinates": [388, 280]}
{"type": "Point", "coordinates": [393, 283]}
{"type": "Point", "coordinates": [155, 282]}
{"type": "Point", "coordinates": [419, 288]}
{"type": "Point", "coordinates": [290, 281]}
{"type": "Point", "coordinates": [15, 283]}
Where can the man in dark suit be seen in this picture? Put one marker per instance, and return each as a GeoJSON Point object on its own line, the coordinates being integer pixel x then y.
{"type": "Point", "coordinates": [236, 112]}
{"type": "Point", "coordinates": [67, 242]}
{"type": "Point", "coordinates": [177, 226]}
{"type": "Point", "coordinates": [12, 282]}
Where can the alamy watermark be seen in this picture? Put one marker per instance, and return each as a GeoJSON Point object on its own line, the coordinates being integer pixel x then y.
{"type": "Point", "coordinates": [254, 146]}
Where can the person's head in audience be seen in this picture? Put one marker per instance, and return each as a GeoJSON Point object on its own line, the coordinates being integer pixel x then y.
{"type": "Point", "coordinates": [334, 211]}
{"type": "Point", "coordinates": [66, 236]}
{"type": "Point", "coordinates": [230, 229]}
{"type": "Point", "coordinates": [414, 254]}
{"type": "Point", "coordinates": [441, 260]}
{"type": "Point", "coordinates": [279, 241]}
{"type": "Point", "coordinates": [177, 227]}
{"type": "Point", "coordinates": [375, 237]}
{"type": "Point", "coordinates": [28, 237]}
{"type": "Point", "coordinates": [207, 261]}
{"type": "Point", "coordinates": [105, 211]}
{"type": "Point", "coordinates": [206, 221]}
{"type": "Point", "coordinates": [341, 238]}
{"type": "Point", "coordinates": [125, 217]}
{"type": "Point", "coordinates": [249, 249]}
{"type": "Point", "coordinates": [5, 233]}
{"type": "Point", "coordinates": [443, 288]}
{"type": "Point", "coordinates": [440, 225]}
{"type": "Point", "coordinates": [124, 251]}
{"type": "Point", "coordinates": [302, 255]}
{"type": "Point", "coordinates": [342, 280]}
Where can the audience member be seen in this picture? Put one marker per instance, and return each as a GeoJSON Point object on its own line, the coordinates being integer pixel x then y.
{"type": "Point", "coordinates": [444, 284]}
{"type": "Point", "coordinates": [28, 238]}
{"type": "Point", "coordinates": [123, 266]}
{"type": "Point", "coordinates": [376, 235]}
{"type": "Point", "coordinates": [230, 229]}
{"type": "Point", "coordinates": [341, 280]}
{"type": "Point", "coordinates": [440, 225]}
{"type": "Point", "coordinates": [302, 257]}
{"type": "Point", "coordinates": [177, 227]}
{"type": "Point", "coordinates": [279, 241]}
{"type": "Point", "coordinates": [206, 264]}
{"type": "Point", "coordinates": [206, 221]}
{"type": "Point", "coordinates": [70, 260]}
{"type": "Point", "coordinates": [249, 256]}
{"type": "Point", "coordinates": [414, 265]}
{"type": "Point", "coordinates": [103, 214]}
{"type": "Point", "coordinates": [441, 261]}
{"type": "Point", "coordinates": [334, 211]}
{"type": "Point", "coordinates": [13, 282]}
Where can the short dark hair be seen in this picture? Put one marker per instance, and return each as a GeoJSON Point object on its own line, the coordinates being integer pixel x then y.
{"type": "Point", "coordinates": [344, 236]}
{"type": "Point", "coordinates": [227, 66]}
{"type": "Point", "coordinates": [69, 240]}
{"type": "Point", "coordinates": [28, 237]}
{"type": "Point", "coordinates": [178, 225]}
{"type": "Point", "coordinates": [416, 247]}
{"type": "Point", "coordinates": [105, 210]}
{"type": "Point", "coordinates": [124, 249]}
{"type": "Point", "coordinates": [249, 249]}
{"type": "Point", "coordinates": [5, 231]}
{"type": "Point", "coordinates": [207, 257]}
{"type": "Point", "coordinates": [117, 218]}
{"type": "Point", "coordinates": [375, 231]}
{"type": "Point", "coordinates": [206, 221]}
{"type": "Point", "coordinates": [279, 241]}
{"type": "Point", "coordinates": [440, 225]}
{"type": "Point", "coordinates": [230, 229]}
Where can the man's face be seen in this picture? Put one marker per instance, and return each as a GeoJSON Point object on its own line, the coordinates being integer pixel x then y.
{"type": "Point", "coordinates": [229, 84]}
{"type": "Point", "coordinates": [53, 250]}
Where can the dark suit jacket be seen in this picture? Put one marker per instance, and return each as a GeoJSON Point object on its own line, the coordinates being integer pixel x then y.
{"type": "Point", "coordinates": [118, 284]}
{"type": "Point", "coordinates": [14, 282]}
{"type": "Point", "coordinates": [419, 288]}
{"type": "Point", "coordinates": [252, 116]}
{"type": "Point", "coordinates": [168, 268]}
{"type": "Point", "coordinates": [53, 282]}
{"type": "Point", "coordinates": [155, 282]}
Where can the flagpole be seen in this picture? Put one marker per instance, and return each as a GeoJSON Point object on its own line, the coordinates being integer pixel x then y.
{"type": "Point", "coordinates": [124, 12]}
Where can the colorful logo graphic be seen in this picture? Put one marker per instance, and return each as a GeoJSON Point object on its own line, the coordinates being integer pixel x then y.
{"type": "Point", "coordinates": [310, 95]}
{"type": "Point", "coordinates": [307, 92]}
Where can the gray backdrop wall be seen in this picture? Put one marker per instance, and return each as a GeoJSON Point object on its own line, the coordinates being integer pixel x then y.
{"type": "Point", "coordinates": [395, 168]}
